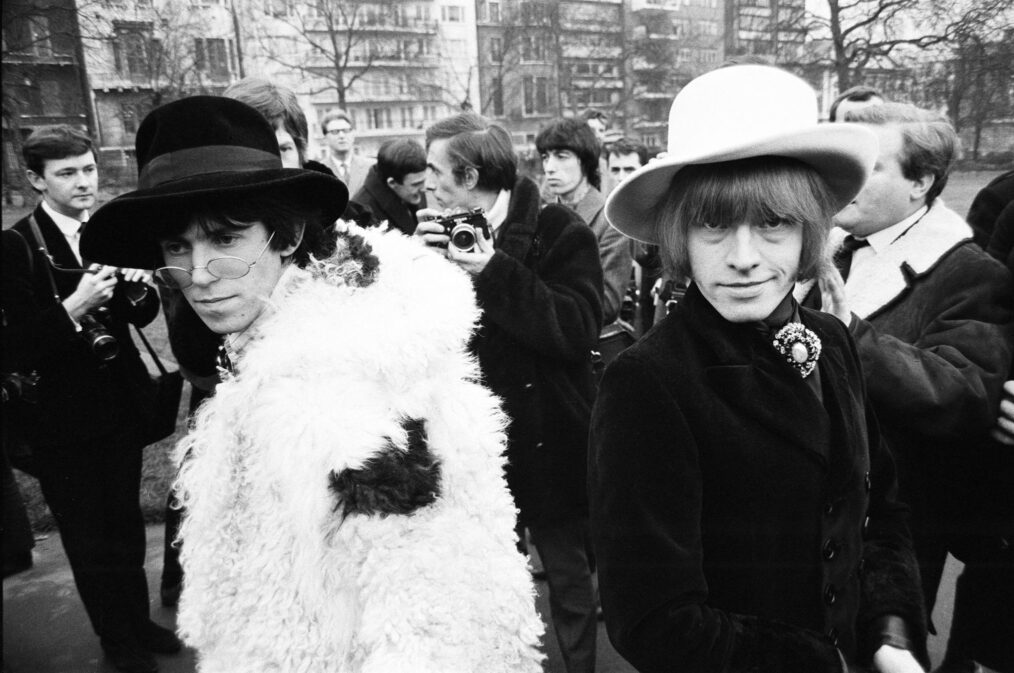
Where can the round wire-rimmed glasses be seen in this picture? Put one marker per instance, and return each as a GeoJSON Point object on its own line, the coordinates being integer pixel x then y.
{"type": "Point", "coordinates": [225, 268]}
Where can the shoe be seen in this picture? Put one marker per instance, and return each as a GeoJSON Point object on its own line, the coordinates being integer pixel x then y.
{"type": "Point", "coordinates": [129, 657]}
{"type": "Point", "coordinates": [170, 594]}
{"type": "Point", "coordinates": [158, 639]}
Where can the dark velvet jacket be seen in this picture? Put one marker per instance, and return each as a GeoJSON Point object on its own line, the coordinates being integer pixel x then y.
{"type": "Point", "coordinates": [740, 524]}
{"type": "Point", "coordinates": [80, 398]}
{"type": "Point", "coordinates": [384, 204]}
{"type": "Point", "coordinates": [541, 298]}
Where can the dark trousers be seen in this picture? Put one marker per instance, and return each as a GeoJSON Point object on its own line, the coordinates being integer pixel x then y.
{"type": "Point", "coordinates": [92, 490]}
{"type": "Point", "coordinates": [983, 618]}
{"type": "Point", "coordinates": [563, 549]}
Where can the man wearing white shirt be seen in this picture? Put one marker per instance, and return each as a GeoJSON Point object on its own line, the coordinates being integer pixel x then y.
{"type": "Point", "coordinates": [85, 429]}
{"type": "Point", "coordinates": [931, 316]}
{"type": "Point", "coordinates": [342, 159]}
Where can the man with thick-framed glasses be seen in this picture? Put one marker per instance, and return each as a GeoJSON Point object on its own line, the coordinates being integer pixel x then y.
{"type": "Point", "coordinates": [84, 428]}
{"type": "Point", "coordinates": [342, 158]}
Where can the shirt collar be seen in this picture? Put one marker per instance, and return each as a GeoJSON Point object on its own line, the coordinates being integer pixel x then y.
{"type": "Point", "coordinates": [885, 237]}
{"type": "Point", "coordinates": [68, 226]}
{"type": "Point", "coordinates": [497, 215]}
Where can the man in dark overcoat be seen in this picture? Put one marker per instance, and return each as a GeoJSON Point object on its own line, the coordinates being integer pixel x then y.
{"type": "Point", "coordinates": [931, 314]}
{"type": "Point", "coordinates": [85, 431]}
{"type": "Point", "coordinates": [395, 186]}
{"type": "Point", "coordinates": [538, 281]}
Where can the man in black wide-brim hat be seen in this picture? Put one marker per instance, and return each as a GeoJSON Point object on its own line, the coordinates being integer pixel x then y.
{"type": "Point", "coordinates": [348, 440]}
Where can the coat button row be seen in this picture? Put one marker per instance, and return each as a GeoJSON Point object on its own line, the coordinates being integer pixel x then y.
{"type": "Point", "coordinates": [830, 549]}
{"type": "Point", "coordinates": [830, 595]}
{"type": "Point", "coordinates": [832, 635]}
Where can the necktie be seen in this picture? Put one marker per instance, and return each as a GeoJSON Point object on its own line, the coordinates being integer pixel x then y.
{"type": "Point", "coordinates": [343, 172]}
{"type": "Point", "coordinates": [843, 258]}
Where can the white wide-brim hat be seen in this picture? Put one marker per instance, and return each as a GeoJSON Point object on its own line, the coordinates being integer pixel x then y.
{"type": "Point", "coordinates": [738, 112]}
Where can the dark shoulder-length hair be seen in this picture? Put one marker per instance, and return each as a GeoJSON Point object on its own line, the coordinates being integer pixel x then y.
{"type": "Point", "coordinates": [754, 189]}
{"type": "Point", "coordinates": [290, 220]}
{"type": "Point", "coordinates": [574, 135]}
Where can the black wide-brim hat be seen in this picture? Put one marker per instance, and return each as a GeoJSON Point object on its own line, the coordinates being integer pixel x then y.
{"type": "Point", "coordinates": [202, 148]}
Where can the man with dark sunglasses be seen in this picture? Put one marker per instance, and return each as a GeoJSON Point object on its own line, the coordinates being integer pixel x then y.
{"type": "Point", "coordinates": [85, 429]}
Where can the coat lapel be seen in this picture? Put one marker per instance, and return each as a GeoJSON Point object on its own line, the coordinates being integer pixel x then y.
{"type": "Point", "coordinates": [749, 375]}
{"type": "Point", "coordinates": [59, 250]}
{"type": "Point", "coordinates": [915, 253]}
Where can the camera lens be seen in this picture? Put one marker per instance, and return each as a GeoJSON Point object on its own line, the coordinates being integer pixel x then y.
{"type": "Point", "coordinates": [463, 237]}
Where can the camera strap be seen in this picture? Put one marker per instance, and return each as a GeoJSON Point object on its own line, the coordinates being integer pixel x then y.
{"type": "Point", "coordinates": [41, 243]}
{"type": "Point", "coordinates": [151, 351]}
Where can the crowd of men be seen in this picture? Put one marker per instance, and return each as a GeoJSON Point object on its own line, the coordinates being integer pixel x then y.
{"type": "Point", "coordinates": [927, 297]}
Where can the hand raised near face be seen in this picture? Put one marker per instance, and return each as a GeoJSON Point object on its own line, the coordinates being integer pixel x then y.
{"type": "Point", "coordinates": [93, 290]}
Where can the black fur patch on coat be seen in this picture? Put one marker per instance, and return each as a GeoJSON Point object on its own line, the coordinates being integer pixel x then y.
{"type": "Point", "coordinates": [393, 481]}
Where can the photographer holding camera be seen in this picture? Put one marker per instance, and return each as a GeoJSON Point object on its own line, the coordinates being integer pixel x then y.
{"type": "Point", "coordinates": [66, 321]}
{"type": "Point", "coordinates": [538, 280]}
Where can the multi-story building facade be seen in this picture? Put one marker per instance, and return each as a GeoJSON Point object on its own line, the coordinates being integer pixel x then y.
{"type": "Point", "coordinates": [540, 60]}
{"type": "Point", "coordinates": [393, 65]}
{"type": "Point", "coordinates": [143, 53]}
{"type": "Point", "coordinates": [44, 80]}
{"type": "Point", "coordinates": [669, 42]}
{"type": "Point", "coordinates": [774, 29]}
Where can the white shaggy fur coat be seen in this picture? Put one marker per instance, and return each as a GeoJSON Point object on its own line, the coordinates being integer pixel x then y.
{"type": "Point", "coordinates": [276, 580]}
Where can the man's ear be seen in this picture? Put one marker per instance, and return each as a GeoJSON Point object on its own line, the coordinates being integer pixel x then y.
{"type": "Point", "coordinates": [391, 182]}
{"type": "Point", "coordinates": [291, 248]}
{"type": "Point", "coordinates": [471, 178]}
{"type": "Point", "coordinates": [921, 186]}
{"type": "Point", "coordinates": [37, 182]}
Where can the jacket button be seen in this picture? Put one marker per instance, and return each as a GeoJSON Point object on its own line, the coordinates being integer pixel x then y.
{"type": "Point", "coordinates": [861, 568]}
{"type": "Point", "coordinates": [829, 550]}
{"type": "Point", "coordinates": [832, 635]}
{"type": "Point", "coordinates": [830, 595]}
{"type": "Point", "coordinates": [538, 445]}
{"type": "Point", "coordinates": [829, 509]}
{"type": "Point", "coordinates": [866, 526]}
{"type": "Point", "coordinates": [529, 386]}
{"type": "Point", "coordinates": [867, 482]}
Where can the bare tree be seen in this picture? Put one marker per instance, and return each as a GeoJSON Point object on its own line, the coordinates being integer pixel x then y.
{"type": "Point", "coordinates": [859, 34]}
{"type": "Point", "coordinates": [336, 43]}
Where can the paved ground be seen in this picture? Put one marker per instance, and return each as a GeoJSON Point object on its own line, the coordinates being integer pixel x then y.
{"type": "Point", "coordinates": [46, 630]}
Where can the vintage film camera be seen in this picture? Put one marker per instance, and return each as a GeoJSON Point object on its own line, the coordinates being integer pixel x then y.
{"type": "Point", "coordinates": [462, 228]}
{"type": "Point", "coordinates": [128, 294]}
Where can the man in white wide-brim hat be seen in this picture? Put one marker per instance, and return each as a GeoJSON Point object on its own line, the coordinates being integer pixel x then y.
{"type": "Point", "coordinates": [743, 503]}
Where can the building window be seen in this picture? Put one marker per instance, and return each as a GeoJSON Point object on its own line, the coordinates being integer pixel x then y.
{"type": "Point", "coordinates": [29, 35]}
{"type": "Point", "coordinates": [496, 50]}
{"type": "Point", "coordinates": [378, 118]}
{"type": "Point", "coordinates": [534, 48]}
{"type": "Point", "coordinates": [534, 14]}
{"type": "Point", "coordinates": [497, 96]}
{"type": "Point", "coordinates": [536, 95]}
{"type": "Point", "coordinates": [452, 13]}
{"type": "Point", "coordinates": [211, 55]}
{"type": "Point", "coordinates": [134, 52]}
{"type": "Point", "coordinates": [408, 117]}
